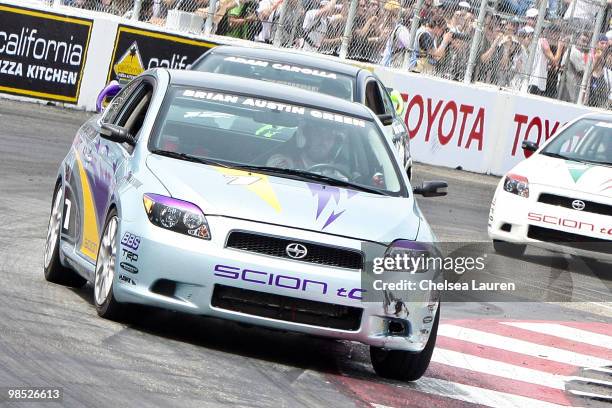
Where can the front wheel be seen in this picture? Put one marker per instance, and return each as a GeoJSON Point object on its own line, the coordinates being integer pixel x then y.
{"type": "Point", "coordinates": [54, 270]}
{"type": "Point", "coordinates": [405, 365]}
{"type": "Point", "coordinates": [106, 304]}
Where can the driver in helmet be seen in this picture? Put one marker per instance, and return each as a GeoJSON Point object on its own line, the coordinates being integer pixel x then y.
{"type": "Point", "coordinates": [313, 145]}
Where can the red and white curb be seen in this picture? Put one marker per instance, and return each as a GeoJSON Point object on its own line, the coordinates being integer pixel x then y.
{"type": "Point", "coordinates": [496, 363]}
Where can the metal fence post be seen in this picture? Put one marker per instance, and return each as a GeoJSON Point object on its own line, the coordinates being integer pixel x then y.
{"type": "Point", "coordinates": [136, 10]}
{"type": "Point", "coordinates": [467, 78]}
{"type": "Point", "coordinates": [348, 29]}
{"type": "Point", "coordinates": [537, 32]}
{"type": "Point", "coordinates": [586, 76]}
{"type": "Point", "coordinates": [414, 26]}
{"type": "Point", "coordinates": [280, 26]}
{"type": "Point", "coordinates": [208, 24]}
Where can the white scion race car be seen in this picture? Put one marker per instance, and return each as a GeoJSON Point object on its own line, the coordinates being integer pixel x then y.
{"type": "Point", "coordinates": [560, 198]}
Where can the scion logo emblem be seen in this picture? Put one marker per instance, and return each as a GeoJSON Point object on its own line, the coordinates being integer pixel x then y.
{"type": "Point", "coordinates": [296, 251]}
{"type": "Point", "coordinates": [578, 205]}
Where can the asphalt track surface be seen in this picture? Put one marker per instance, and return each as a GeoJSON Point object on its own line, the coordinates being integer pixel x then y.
{"type": "Point", "coordinates": [51, 336]}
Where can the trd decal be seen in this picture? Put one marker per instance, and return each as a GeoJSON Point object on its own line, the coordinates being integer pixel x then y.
{"type": "Point", "coordinates": [130, 256]}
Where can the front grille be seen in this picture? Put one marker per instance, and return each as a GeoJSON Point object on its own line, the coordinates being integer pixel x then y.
{"type": "Point", "coordinates": [287, 308]}
{"type": "Point", "coordinates": [569, 239]}
{"type": "Point", "coordinates": [274, 246]}
{"type": "Point", "coordinates": [589, 206]}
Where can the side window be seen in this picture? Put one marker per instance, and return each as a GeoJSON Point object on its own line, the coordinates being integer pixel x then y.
{"type": "Point", "coordinates": [133, 112]}
{"type": "Point", "coordinates": [386, 100]}
{"type": "Point", "coordinates": [373, 98]}
{"type": "Point", "coordinates": [111, 111]}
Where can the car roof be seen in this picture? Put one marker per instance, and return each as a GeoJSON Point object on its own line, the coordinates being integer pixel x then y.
{"type": "Point", "coordinates": [267, 90]}
{"type": "Point", "coordinates": [607, 117]}
{"type": "Point", "coordinates": [288, 57]}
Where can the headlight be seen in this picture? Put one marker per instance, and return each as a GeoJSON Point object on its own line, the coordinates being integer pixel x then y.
{"type": "Point", "coordinates": [516, 184]}
{"type": "Point", "coordinates": [408, 256]}
{"type": "Point", "coordinates": [176, 215]}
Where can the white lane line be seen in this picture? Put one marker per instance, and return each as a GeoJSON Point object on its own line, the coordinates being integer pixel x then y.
{"type": "Point", "coordinates": [565, 332]}
{"type": "Point", "coordinates": [498, 368]}
{"type": "Point", "coordinates": [520, 346]}
{"type": "Point", "coordinates": [476, 395]}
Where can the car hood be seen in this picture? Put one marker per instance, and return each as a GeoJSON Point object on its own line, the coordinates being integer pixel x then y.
{"type": "Point", "coordinates": [575, 176]}
{"type": "Point", "coordinates": [288, 202]}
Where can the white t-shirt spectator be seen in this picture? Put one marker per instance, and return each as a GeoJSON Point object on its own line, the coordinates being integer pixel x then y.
{"type": "Point", "coordinates": [399, 40]}
{"type": "Point", "coordinates": [315, 29]}
{"type": "Point", "coordinates": [266, 26]}
{"type": "Point", "coordinates": [539, 74]}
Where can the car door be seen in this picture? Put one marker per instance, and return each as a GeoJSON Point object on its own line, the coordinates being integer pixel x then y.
{"type": "Point", "coordinates": [130, 114]}
{"type": "Point", "coordinates": [95, 164]}
{"type": "Point", "coordinates": [398, 129]}
{"type": "Point", "coordinates": [378, 100]}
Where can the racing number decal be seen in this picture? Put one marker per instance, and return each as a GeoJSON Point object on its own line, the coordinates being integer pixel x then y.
{"type": "Point", "coordinates": [67, 206]}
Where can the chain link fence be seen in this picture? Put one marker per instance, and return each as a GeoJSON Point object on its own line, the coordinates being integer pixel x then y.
{"type": "Point", "coordinates": [553, 48]}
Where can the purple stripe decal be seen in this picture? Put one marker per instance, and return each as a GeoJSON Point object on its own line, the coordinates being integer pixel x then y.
{"type": "Point", "coordinates": [324, 195]}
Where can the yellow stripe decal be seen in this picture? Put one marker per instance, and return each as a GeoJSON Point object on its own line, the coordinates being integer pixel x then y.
{"type": "Point", "coordinates": [91, 240]}
{"type": "Point", "coordinates": [260, 187]}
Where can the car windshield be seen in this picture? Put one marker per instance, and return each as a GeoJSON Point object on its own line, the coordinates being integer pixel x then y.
{"type": "Point", "coordinates": [286, 140]}
{"type": "Point", "coordinates": [312, 79]}
{"type": "Point", "coordinates": [587, 140]}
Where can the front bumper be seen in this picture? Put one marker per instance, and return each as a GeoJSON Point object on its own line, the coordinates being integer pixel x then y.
{"type": "Point", "coordinates": [523, 220]}
{"type": "Point", "coordinates": [196, 266]}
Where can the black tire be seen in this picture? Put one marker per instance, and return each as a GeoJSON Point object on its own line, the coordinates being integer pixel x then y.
{"type": "Point", "coordinates": [508, 248]}
{"type": "Point", "coordinates": [109, 308]}
{"type": "Point", "coordinates": [405, 365]}
{"type": "Point", "coordinates": [54, 271]}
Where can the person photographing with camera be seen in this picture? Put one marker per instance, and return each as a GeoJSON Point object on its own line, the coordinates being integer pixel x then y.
{"type": "Point", "coordinates": [426, 50]}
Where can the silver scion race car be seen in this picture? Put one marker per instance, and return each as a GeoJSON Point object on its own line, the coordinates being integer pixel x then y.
{"type": "Point", "coordinates": [306, 71]}
{"type": "Point", "coordinates": [234, 198]}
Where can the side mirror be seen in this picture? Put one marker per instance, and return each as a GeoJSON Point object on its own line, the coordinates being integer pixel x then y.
{"type": "Point", "coordinates": [529, 147]}
{"type": "Point", "coordinates": [386, 119]}
{"type": "Point", "coordinates": [116, 133]}
{"type": "Point", "coordinates": [109, 92]}
{"type": "Point", "coordinates": [431, 189]}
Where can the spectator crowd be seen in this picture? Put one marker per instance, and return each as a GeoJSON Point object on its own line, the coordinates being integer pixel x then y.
{"type": "Point", "coordinates": [381, 34]}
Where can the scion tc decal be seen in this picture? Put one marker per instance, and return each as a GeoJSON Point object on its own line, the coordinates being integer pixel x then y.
{"type": "Point", "coordinates": [324, 195]}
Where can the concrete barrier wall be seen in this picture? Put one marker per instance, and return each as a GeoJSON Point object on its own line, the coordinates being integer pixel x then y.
{"type": "Point", "coordinates": [474, 127]}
